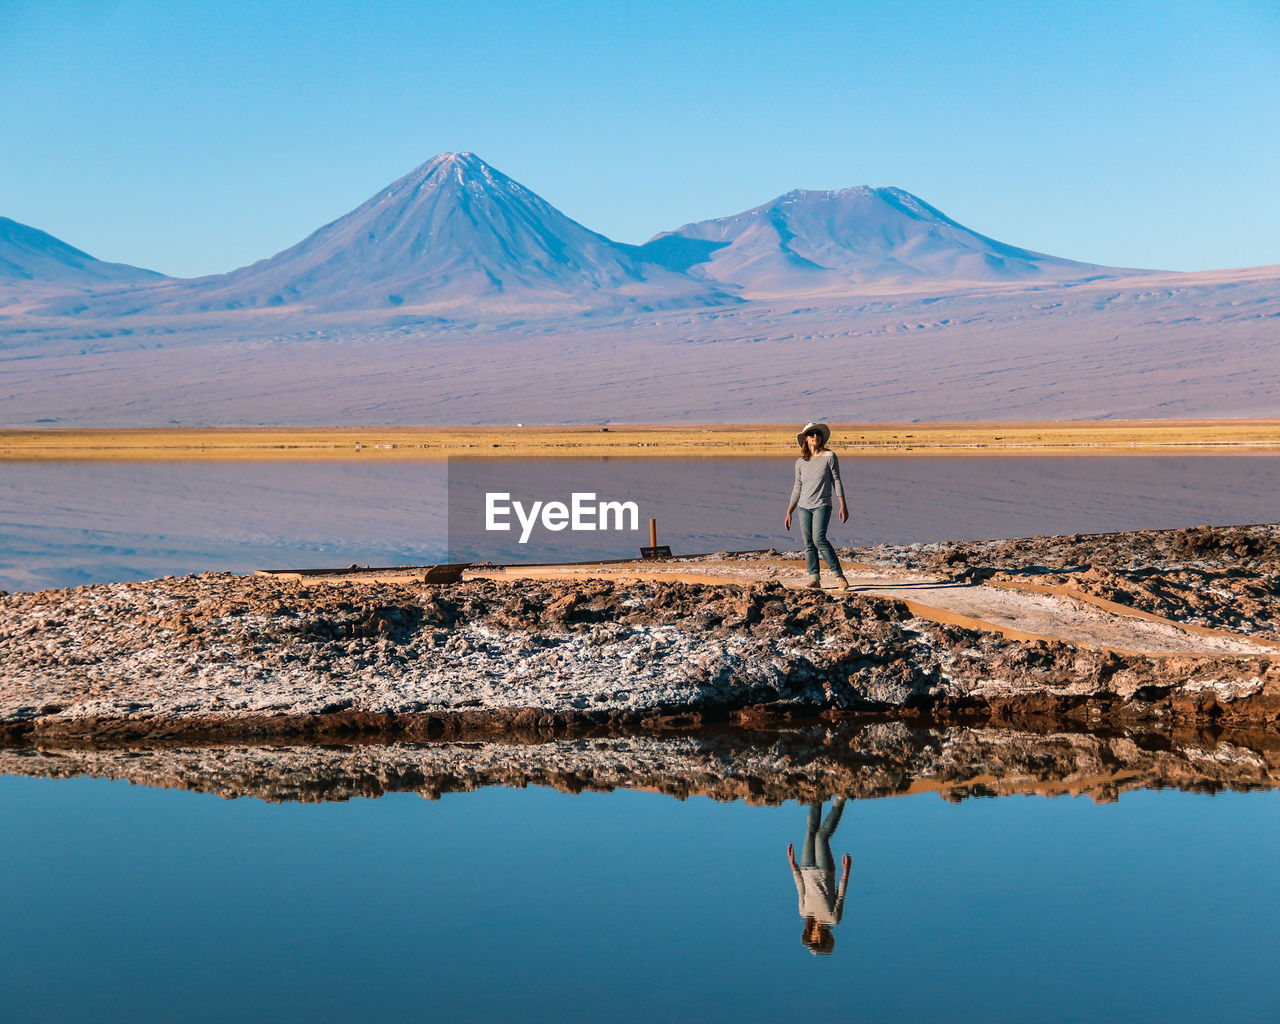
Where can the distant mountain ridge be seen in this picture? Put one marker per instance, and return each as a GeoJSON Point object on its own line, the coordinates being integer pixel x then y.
{"type": "Point", "coordinates": [28, 254]}
{"type": "Point", "coordinates": [807, 242]}
{"type": "Point", "coordinates": [456, 295]}
{"type": "Point", "coordinates": [456, 236]}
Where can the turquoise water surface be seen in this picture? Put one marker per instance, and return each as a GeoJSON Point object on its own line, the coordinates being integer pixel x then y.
{"type": "Point", "coordinates": [123, 903]}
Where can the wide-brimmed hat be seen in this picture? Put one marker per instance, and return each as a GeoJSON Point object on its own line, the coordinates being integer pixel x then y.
{"type": "Point", "coordinates": [821, 428]}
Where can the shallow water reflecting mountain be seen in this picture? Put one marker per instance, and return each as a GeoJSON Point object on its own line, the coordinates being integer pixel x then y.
{"type": "Point", "coordinates": [534, 890]}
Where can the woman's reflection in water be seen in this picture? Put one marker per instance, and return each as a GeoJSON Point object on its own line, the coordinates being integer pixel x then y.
{"type": "Point", "coordinates": [821, 903]}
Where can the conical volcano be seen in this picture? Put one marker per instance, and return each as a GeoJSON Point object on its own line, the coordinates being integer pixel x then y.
{"type": "Point", "coordinates": [452, 233]}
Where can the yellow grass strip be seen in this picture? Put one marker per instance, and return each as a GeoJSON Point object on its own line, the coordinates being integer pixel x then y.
{"type": "Point", "coordinates": [1085, 437]}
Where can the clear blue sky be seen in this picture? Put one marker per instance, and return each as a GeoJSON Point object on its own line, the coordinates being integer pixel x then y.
{"type": "Point", "coordinates": [193, 137]}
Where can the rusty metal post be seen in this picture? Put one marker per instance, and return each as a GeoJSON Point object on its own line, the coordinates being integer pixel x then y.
{"type": "Point", "coordinates": [653, 551]}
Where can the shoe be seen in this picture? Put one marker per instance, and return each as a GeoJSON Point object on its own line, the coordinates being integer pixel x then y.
{"type": "Point", "coordinates": [842, 583]}
{"type": "Point", "coordinates": [814, 583]}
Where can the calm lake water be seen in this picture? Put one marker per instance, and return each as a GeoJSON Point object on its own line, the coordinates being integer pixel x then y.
{"type": "Point", "coordinates": [68, 523]}
{"type": "Point", "coordinates": [126, 903]}
{"type": "Point", "coordinates": [123, 903]}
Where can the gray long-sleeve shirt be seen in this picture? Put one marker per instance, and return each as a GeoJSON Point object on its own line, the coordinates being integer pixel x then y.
{"type": "Point", "coordinates": [813, 886]}
{"type": "Point", "coordinates": [815, 480]}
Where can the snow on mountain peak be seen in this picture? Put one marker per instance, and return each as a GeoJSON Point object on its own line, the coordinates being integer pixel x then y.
{"type": "Point", "coordinates": [800, 195]}
{"type": "Point", "coordinates": [464, 171]}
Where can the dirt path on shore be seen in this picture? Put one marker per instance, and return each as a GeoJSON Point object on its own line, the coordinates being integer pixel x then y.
{"type": "Point", "coordinates": [1015, 611]}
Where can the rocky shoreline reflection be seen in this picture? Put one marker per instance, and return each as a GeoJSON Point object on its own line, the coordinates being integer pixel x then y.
{"type": "Point", "coordinates": [808, 763]}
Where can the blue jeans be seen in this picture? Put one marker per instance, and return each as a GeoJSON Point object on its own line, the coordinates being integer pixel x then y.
{"type": "Point", "coordinates": [813, 528]}
{"type": "Point", "coordinates": [817, 839]}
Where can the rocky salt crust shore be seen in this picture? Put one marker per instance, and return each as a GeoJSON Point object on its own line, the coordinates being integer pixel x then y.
{"type": "Point", "coordinates": [217, 655]}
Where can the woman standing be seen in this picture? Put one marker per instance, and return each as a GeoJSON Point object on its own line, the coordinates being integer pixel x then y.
{"type": "Point", "coordinates": [817, 476]}
{"type": "Point", "coordinates": [821, 900]}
